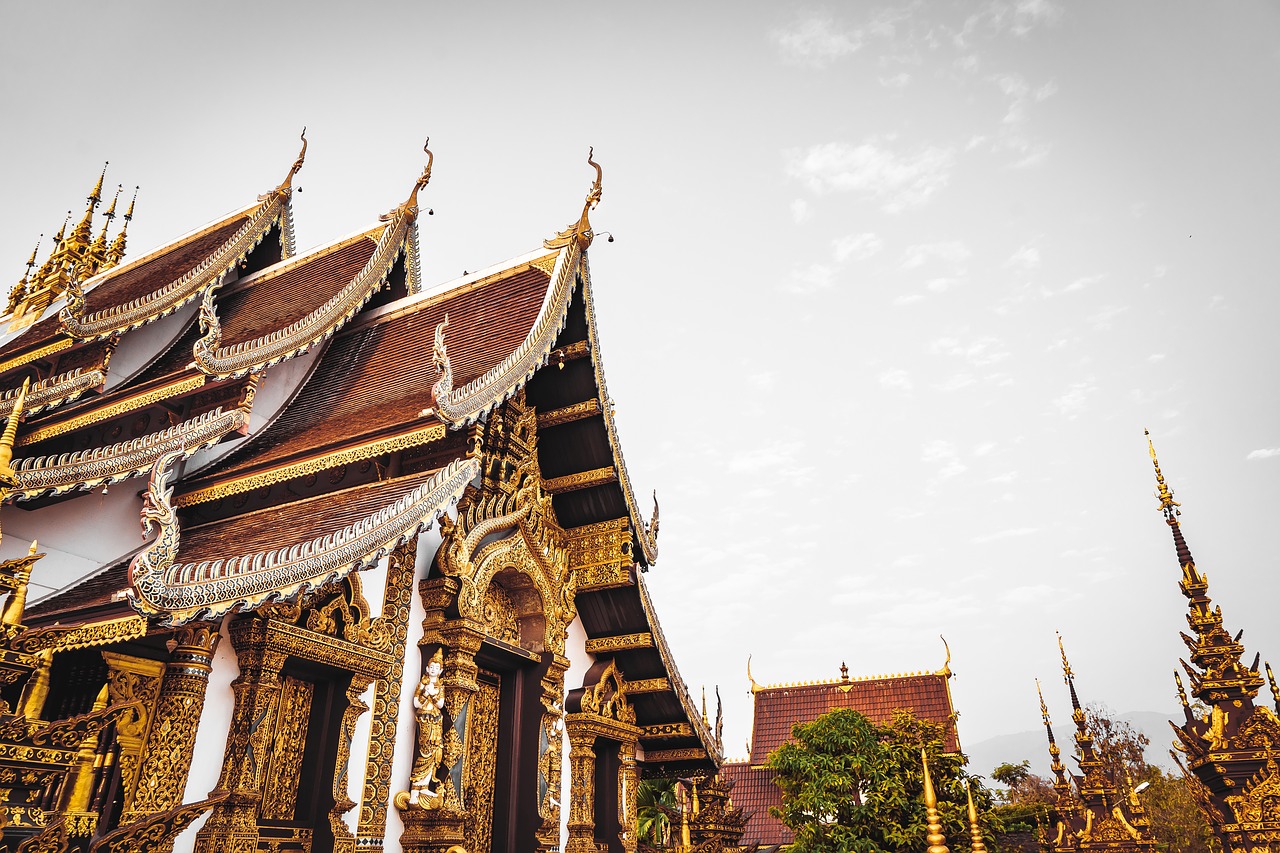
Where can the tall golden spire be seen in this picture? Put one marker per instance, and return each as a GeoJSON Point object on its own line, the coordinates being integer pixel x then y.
{"type": "Point", "coordinates": [1089, 761]}
{"type": "Point", "coordinates": [82, 235]}
{"type": "Point", "coordinates": [19, 291]}
{"type": "Point", "coordinates": [976, 844]}
{"type": "Point", "coordinates": [116, 253]}
{"type": "Point", "coordinates": [580, 232]}
{"type": "Point", "coordinates": [96, 255]}
{"type": "Point", "coordinates": [1060, 783]}
{"type": "Point", "coordinates": [1219, 674]}
{"type": "Point", "coordinates": [8, 478]}
{"type": "Point", "coordinates": [937, 841]}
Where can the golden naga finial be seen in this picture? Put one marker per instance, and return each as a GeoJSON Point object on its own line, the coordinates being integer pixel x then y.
{"type": "Point", "coordinates": [581, 232]}
{"type": "Point", "coordinates": [937, 841]}
{"type": "Point", "coordinates": [755, 688]}
{"type": "Point", "coordinates": [297, 164]}
{"type": "Point", "coordinates": [945, 672]}
{"type": "Point", "coordinates": [424, 178]}
{"type": "Point", "coordinates": [1167, 504]}
{"type": "Point", "coordinates": [7, 475]}
{"type": "Point", "coordinates": [976, 845]}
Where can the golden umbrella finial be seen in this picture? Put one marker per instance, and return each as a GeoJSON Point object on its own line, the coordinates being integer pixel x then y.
{"type": "Point", "coordinates": [937, 841]}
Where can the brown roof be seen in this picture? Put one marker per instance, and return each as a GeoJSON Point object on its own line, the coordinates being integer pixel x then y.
{"type": "Point", "coordinates": [274, 299]}
{"type": "Point", "coordinates": [135, 280]}
{"type": "Point", "coordinates": [377, 376]}
{"type": "Point", "coordinates": [777, 709]}
{"type": "Point", "coordinates": [753, 792]}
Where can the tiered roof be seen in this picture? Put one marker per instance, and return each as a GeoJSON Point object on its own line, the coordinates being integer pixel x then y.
{"type": "Point", "coordinates": [368, 448]}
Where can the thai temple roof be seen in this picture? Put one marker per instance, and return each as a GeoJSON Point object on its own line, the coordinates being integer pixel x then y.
{"type": "Point", "coordinates": [266, 485]}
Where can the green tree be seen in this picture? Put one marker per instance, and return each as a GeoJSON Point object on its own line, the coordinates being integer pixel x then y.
{"type": "Point", "coordinates": [849, 786]}
{"type": "Point", "coordinates": [655, 803]}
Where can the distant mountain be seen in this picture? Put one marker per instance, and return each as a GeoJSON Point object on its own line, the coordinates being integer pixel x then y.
{"type": "Point", "coordinates": [1032, 745]}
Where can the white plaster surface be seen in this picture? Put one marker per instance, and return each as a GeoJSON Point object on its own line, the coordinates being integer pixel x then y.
{"type": "Point", "coordinates": [140, 347]}
{"type": "Point", "coordinates": [359, 758]}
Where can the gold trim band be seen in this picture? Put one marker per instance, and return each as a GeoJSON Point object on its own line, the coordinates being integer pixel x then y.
{"type": "Point", "coordinates": [103, 413]}
{"type": "Point", "coordinates": [35, 354]}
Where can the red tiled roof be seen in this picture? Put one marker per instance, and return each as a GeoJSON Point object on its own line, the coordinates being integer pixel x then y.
{"type": "Point", "coordinates": [777, 709]}
{"type": "Point", "coordinates": [753, 792]}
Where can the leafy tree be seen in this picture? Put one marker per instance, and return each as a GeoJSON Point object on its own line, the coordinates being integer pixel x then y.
{"type": "Point", "coordinates": [655, 803]}
{"type": "Point", "coordinates": [849, 786]}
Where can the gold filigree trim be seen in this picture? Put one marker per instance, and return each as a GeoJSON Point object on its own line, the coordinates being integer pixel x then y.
{"type": "Point", "coordinates": [87, 469]}
{"type": "Point", "coordinates": [600, 554]}
{"type": "Point", "coordinates": [655, 756]}
{"type": "Point", "coordinates": [622, 643]}
{"type": "Point", "coordinates": [459, 407]}
{"type": "Point", "coordinates": [547, 264]}
{"type": "Point", "coordinates": [568, 414]}
{"type": "Point", "coordinates": [300, 336]}
{"type": "Point", "coordinates": [62, 638]}
{"type": "Point", "coordinates": [181, 592]}
{"type": "Point", "coordinates": [580, 480]}
{"type": "Point", "coordinates": [111, 410]}
{"type": "Point", "coordinates": [648, 685]}
{"type": "Point", "coordinates": [54, 391]}
{"type": "Point", "coordinates": [661, 730]}
{"type": "Point", "coordinates": [360, 452]}
{"type": "Point", "coordinates": [646, 533]}
{"type": "Point", "coordinates": [35, 354]}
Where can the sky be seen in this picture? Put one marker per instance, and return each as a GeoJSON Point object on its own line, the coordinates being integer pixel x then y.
{"type": "Point", "coordinates": [894, 290]}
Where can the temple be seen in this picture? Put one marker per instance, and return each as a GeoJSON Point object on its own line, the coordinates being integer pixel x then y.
{"type": "Point", "coordinates": [1094, 813]}
{"type": "Point", "coordinates": [389, 593]}
{"type": "Point", "coordinates": [779, 707]}
{"type": "Point", "coordinates": [1229, 743]}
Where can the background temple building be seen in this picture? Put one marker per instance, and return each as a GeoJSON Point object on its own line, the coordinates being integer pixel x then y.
{"type": "Point", "coordinates": [390, 594]}
{"type": "Point", "coordinates": [779, 707]}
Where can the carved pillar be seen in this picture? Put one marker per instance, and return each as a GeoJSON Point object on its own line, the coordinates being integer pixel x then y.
{"type": "Point", "coordinates": [627, 782]}
{"type": "Point", "coordinates": [397, 598]}
{"type": "Point", "coordinates": [344, 841]}
{"type": "Point", "coordinates": [132, 679]}
{"type": "Point", "coordinates": [166, 759]}
{"type": "Point", "coordinates": [233, 826]}
{"type": "Point", "coordinates": [550, 759]}
{"type": "Point", "coordinates": [582, 792]}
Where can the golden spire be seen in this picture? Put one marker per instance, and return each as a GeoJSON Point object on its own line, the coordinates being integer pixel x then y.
{"type": "Point", "coordinates": [705, 720]}
{"type": "Point", "coordinates": [580, 232]}
{"type": "Point", "coordinates": [116, 253]}
{"type": "Point", "coordinates": [96, 255]}
{"type": "Point", "coordinates": [1055, 753]}
{"type": "Point", "coordinates": [19, 291]}
{"type": "Point", "coordinates": [82, 235]}
{"type": "Point", "coordinates": [8, 478]}
{"type": "Point", "coordinates": [1275, 692]}
{"type": "Point", "coordinates": [1084, 739]}
{"type": "Point", "coordinates": [937, 841]}
{"type": "Point", "coordinates": [976, 844]}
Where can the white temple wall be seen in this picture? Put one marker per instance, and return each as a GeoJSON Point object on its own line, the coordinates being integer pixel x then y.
{"type": "Point", "coordinates": [358, 760]}
{"type": "Point", "coordinates": [406, 722]}
{"type": "Point", "coordinates": [140, 347]}
{"type": "Point", "coordinates": [211, 736]}
{"type": "Point", "coordinates": [80, 535]}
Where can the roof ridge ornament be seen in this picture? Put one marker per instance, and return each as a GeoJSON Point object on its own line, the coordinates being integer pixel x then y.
{"type": "Point", "coordinates": [287, 184]}
{"type": "Point", "coordinates": [580, 232]}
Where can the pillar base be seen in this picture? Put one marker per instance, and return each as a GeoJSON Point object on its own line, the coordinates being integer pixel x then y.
{"type": "Point", "coordinates": [431, 831]}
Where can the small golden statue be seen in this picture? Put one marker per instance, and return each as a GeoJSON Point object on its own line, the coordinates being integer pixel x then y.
{"type": "Point", "coordinates": [428, 705]}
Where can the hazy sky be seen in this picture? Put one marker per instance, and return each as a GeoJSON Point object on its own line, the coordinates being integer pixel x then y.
{"type": "Point", "coordinates": [894, 291]}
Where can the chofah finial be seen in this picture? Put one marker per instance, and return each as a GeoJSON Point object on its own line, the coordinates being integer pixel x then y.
{"type": "Point", "coordinates": [580, 232]}
{"type": "Point", "coordinates": [297, 164]}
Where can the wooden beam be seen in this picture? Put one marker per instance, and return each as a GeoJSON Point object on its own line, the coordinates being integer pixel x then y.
{"type": "Point", "coordinates": [580, 480]}
{"type": "Point", "coordinates": [624, 643]}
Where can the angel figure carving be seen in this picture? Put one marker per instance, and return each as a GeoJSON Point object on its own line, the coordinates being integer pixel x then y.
{"type": "Point", "coordinates": [428, 708]}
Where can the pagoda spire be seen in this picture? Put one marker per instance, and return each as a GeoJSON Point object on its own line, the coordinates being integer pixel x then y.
{"type": "Point", "coordinates": [1217, 672]}
{"type": "Point", "coordinates": [976, 844]}
{"type": "Point", "coordinates": [81, 236]}
{"type": "Point", "coordinates": [116, 253]}
{"type": "Point", "coordinates": [1066, 802]}
{"type": "Point", "coordinates": [96, 254]}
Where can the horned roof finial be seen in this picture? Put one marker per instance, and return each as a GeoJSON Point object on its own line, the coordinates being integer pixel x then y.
{"type": "Point", "coordinates": [580, 232]}
{"type": "Point", "coordinates": [424, 178]}
{"type": "Point", "coordinates": [297, 164]}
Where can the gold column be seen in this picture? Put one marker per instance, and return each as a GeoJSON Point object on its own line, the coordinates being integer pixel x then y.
{"type": "Point", "coordinates": [166, 758]}
{"type": "Point", "coordinates": [627, 782]}
{"type": "Point", "coordinates": [582, 792]}
{"type": "Point", "coordinates": [133, 679]}
{"type": "Point", "coordinates": [233, 826]}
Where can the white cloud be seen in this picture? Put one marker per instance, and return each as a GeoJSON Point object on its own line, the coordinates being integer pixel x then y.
{"type": "Point", "coordinates": [908, 299]}
{"type": "Point", "coordinates": [949, 251]}
{"type": "Point", "coordinates": [1026, 258]}
{"type": "Point", "coordinates": [1075, 399]}
{"type": "Point", "coordinates": [857, 247]}
{"type": "Point", "coordinates": [896, 379]}
{"type": "Point", "coordinates": [817, 40]}
{"type": "Point", "coordinates": [1102, 321]}
{"type": "Point", "coordinates": [1019, 17]}
{"type": "Point", "coordinates": [957, 383]}
{"type": "Point", "coordinates": [1264, 453]}
{"type": "Point", "coordinates": [873, 170]}
{"type": "Point", "coordinates": [980, 352]}
{"type": "Point", "coordinates": [1082, 282]}
{"type": "Point", "coordinates": [943, 453]}
{"type": "Point", "coordinates": [766, 381]}
{"type": "Point", "coordinates": [941, 285]}
{"type": "Point", "coordinates": [896, 81]}
{"type": "Point", "coordinates": [800, 212]}
{"type": "Point", "coordinates": [1011, 533]}
{"type": "Point", "coordinates": [810, 279]}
